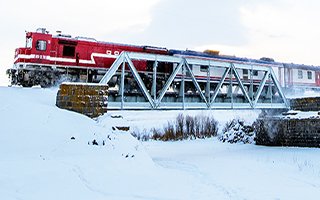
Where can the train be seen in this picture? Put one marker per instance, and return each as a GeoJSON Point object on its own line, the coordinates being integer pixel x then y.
{"type": "Point", "coordinates": [48, 59]}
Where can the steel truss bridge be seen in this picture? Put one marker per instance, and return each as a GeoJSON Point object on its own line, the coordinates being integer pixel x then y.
{"type": "Point", "coordinates": [239, 93]}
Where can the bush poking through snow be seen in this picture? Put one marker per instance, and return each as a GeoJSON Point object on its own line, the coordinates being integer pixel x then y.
{"type": "Point", "coordinates": [236, 131]}
{"type": "Point", "coordinates": [142, 136]}
{"type": "Point", "coordinates": [188, 127]}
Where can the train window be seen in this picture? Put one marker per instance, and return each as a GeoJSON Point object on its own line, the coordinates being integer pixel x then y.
{"type": "Point", "coordinates": [309, 74]}
{"type": "Point", "coordinates": [41, 45]}
{"type": "Point", "coordinates": [29, 42]}
{"type": "Point", "coordinates": [203, 68]}
{"type": "Point", "coordinates": [255, 72]}
{"type": "Point", "coordinates": [300, 74]}
{"type": "Point", "coordinates": [68, 51]}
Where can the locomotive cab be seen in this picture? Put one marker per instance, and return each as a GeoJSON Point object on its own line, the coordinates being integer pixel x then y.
{"type": "Point", "coordinates": [40, 42]}
{"type": "Point", "coordinates": [31, 57]}
{"type": "Point", "coordinates": [38, 45]}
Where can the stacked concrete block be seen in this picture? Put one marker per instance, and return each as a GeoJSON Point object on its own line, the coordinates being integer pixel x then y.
{"type": "Point", "coordinates": [85, 98]}
{"type": "Point", "coordinates": [305, 104]}
{"type": "Point", "coordinates": [287, 131]}
{"type": "Point", "coordinates": [298, 127]}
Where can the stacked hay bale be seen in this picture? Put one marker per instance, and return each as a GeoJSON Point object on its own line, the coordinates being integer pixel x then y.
{"type": "Point", "coordinates": [86, 98]}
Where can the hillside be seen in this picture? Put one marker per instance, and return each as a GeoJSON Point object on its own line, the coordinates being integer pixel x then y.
{"type": "Point", "coordinates": [39, 160]}
{"type": "Point", "coordinates": [49, 153]}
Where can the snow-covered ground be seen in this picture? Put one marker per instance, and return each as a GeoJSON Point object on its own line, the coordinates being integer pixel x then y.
{"type": "Point", "coordinates": [302, 93]}
{"type": "Point", "coordinates": [233, 171]}
{"type": "Point", "coordinates": [143, 121]}
{"type": "Point", "coordinates": [39, 160]}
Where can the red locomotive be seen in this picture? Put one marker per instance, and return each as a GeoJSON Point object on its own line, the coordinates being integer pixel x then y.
{"type": "Point", "coordinates": [48, 58]}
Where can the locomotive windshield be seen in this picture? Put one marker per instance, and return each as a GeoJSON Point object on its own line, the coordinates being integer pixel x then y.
{"type": "Point", "coordinates": [29, 42]}
{"type": "Point", "coordinates": [41, 45]}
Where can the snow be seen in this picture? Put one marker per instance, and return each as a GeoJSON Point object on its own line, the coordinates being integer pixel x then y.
{"type": "Point", "coordinates": [39, 160]}
{"type": "Point", "coordinates": [233, 171]}
{"type": "Point", "coordinates": [297, 114]}
{"type": "Point", "coordinates": [303, 92]}
{"type": "Point", "coordinates": [83, 83]}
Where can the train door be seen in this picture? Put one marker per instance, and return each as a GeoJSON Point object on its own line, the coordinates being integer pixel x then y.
{"type": "Point", "coordinates": [42, 43]}
{"type": "Point", "coordinates": [317, 78]}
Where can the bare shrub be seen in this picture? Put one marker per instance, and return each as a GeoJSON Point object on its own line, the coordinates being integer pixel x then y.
{"type": "Point", "coordinates": [168, 132]}
{"type": "Point", "coordinates": [179, 127]}
{"type": "Point", "coordinates": [142, 136]}
{"type": "Point", "coordinates": [190, 124]}
{"type": "Point", "coordinates": [184, 127]}
{"type": "Point", "coordinates": [156, 134]}
{"type": "Point", "coordinates": [197, 125]}
{"type": "Point", "coordinates": [188, 128]}
{"type": "Point", "coordinates": [210, 126]}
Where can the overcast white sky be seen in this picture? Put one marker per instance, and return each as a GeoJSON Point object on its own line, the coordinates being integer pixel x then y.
{"type": "Point", "coordinates": [285, 30]}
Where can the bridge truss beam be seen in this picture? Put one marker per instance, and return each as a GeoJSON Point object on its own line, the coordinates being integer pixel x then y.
{"type": "Point", "coordinates": [208, 99]}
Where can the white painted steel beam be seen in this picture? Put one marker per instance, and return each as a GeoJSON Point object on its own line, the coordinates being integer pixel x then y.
{"type": "Point", "coordinates": [277, 84]}
{"type": "Point", "coordinates": [139, 80]}
{"type": "Point", "coordinates": [113, 69]}
{"type": "Point", "coordinates": [168, 83]}
{"type": "Point", "coordinates": [261, 86]}
{"type": "Point", "coordinates": [196, 83]}
{"type": "Point", "coordinates": [225, 74]}
{"type": "Point", "coordinates": [241, 84]}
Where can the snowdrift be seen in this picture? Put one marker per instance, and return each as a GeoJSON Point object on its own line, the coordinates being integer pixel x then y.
{"type": "Point", "coordinates": [50, 153]}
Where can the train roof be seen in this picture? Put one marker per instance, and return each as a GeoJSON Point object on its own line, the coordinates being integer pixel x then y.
{"type": "Point", "coordinates": [223, 57]}
{"type": "Point", "coordinates": [89, 39]}
{"type": "Point", "coordinates": [301, 66]}
{"type": "Point", "coordinates": [240, 59]}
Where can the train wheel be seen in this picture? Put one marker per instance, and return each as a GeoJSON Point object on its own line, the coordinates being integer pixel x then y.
{"type": "Point", "coordinates": [27, 84]}
{"type": "Point", "coordinates": [45, 83]}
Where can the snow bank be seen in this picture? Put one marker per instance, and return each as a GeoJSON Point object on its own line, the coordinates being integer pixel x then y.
{"type": "Point", "coordinates": [48, 153]}
{"type": "Point", "coordinates": [39, 159]}
{"type": "Point", "coordinates": [238, 171]}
